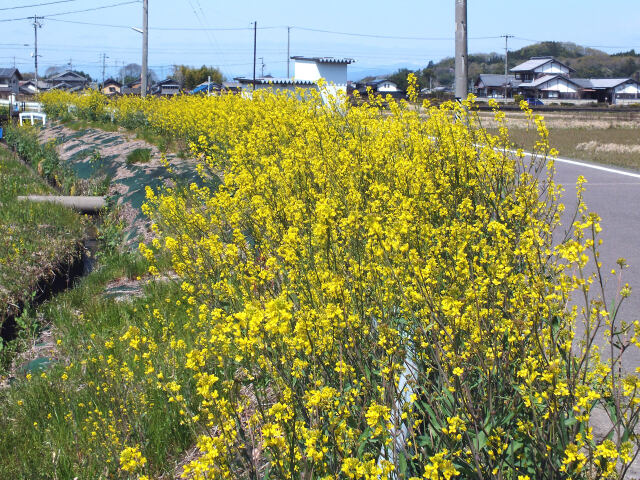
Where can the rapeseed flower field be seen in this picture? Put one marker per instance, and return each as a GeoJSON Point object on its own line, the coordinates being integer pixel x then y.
{"type": "Point", "coordinates": [369, 294]}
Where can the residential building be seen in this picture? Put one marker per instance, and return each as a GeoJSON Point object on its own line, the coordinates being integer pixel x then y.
{"type": "Point", "coordinates": [380, 86]}
{"type": "Point", "coordinates": [111, 87]}
{"type": "Point", "coordinates": [549, 79]}
{"type": "Point", "coordinates": [493, 85]}
{"type": "Point", "coordinates": [537, 67]}
{"type": "Point", "coordinates": [68, 80]}
{"type": "Point", "coordinates": [9, 82]}
{"type": "Point", "coordinates": [167, 87]}
{"type": "Point", "coordinates": [610, 90]}
{"type": "Point", "coordinates": [552, 86]}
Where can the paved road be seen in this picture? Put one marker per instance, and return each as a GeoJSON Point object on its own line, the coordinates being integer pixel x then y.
{"type": "Point", "coordinates": [614, 194]}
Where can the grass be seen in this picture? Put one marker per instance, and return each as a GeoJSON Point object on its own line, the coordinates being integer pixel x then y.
{"type": "Point", "coordinates": [64, 415]}
{"type": "Point", "coordinates": [164, 144]}
{"type": "Point", "coordinates": [610, 137]}
{"type": "Point", "coordinates": [35, 238]}
{"type": "Point", "coordinates": [74, 419]}
{"type": "Point", "coordinates": [615, 146]}
{"type": "Point", "coordinates": [84, 124]}
{"type": "Point", "coordinates": [139, 155]}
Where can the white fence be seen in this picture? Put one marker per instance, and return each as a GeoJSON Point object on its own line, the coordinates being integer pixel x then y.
{"type": "Point", "coordinates": [22, 106]}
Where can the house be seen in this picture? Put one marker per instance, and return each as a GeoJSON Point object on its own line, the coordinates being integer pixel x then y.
{"type": "Point", "coordinates": [307, 73]}
{"type": "Point", "coordinates": [552, 86]}
{"type": "Point", "coordinates": [9, 82]}
{"type": "Point", "coordinates": [380, 86]}
{"type": "Point", "coordinates": [616, 91]}
{"type": "Point", "coordinates": [111, 87]}
{"type": "Point", "coordinates": [537, 67]}
{"type": "Point", "coordinates": [550, 79]}
{"type": "Point", "coordinates": [68, 80]}
{"type": "Point", "coordinates": [167, 87]}
{"type": "Point", "coordinates": [131, 88]}
{"type": "Point", "coordinates": [493, 85]}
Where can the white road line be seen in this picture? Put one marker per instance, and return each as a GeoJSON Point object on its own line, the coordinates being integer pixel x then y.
{"type": "Point", "coordinates": [590, 165]}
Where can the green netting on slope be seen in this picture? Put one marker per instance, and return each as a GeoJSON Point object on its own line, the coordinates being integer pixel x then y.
{"type": "Point", "coordinates": [93, 153]}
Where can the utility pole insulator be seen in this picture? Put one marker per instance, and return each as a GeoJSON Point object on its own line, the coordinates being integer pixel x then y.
{"type": "Point", "coordinates": [461, 76]}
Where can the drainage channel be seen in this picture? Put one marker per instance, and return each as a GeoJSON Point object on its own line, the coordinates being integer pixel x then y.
{"type": "Point", "coordinates": [64, 278]}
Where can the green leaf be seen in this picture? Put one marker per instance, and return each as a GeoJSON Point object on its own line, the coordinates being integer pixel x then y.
{"type": "Point", "coordinates": [402, 464]}
{"type": "Point", "coordinates": [480, 441]}
{"type": "Point", "coordinates": [363, 441]}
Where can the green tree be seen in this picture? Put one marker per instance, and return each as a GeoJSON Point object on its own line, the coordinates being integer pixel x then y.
{"type": "Point", "coordinates": [189, 77]}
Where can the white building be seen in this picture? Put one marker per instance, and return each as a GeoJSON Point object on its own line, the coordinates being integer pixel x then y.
{"type": "Point", "coordinates": [307, 72]}
{"type": "Point", "coordinates": [551, 86]}
{"type": "Point", "coordinates": [537, 67]}
{"type": "Point", "coordinates": [547, 78]}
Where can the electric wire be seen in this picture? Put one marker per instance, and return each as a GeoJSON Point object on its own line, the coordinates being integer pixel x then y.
{"type": "Point", "coordinates": [92, 9]}
{"type": "Point", "coordinates": [36, 5]}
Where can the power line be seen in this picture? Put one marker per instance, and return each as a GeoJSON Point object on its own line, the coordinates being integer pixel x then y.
{"type": "Point", "coordinates": [74, 11]}
{"type": "Point", "coordinates": [392, 37]}
{"type": "Point", "coordinates": [92, 9]}
{"type": "Point", "coordinates": [76, 22]}
{"type": "Point", "coordinates": [176, 29]}
{"type": "Point", "coordinates": [37, 5]}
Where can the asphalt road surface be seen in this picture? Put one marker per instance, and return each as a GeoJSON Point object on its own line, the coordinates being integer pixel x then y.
{"type": "Point", "coordinates": [614, 194]}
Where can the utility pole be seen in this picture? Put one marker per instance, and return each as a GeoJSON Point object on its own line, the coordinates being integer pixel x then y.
{"type": "Point", "coordinates": [506, 62]}
{"type": "Point", "coordinates": [461, 50]}
{"type": "Point", "coordinates": [255, 32]}
{"type": "Point", "coordinates": [104, 61]}
{"type": "Point", "coordinates": [36, 26]}
{"type": "Point", "coordinates": [145, 47]}
{"type": "Point", "coordinates": [288, 50]}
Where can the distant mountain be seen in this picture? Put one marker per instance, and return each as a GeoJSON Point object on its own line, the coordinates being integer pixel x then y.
{"type": "Point", "coordinates": [587, 62]}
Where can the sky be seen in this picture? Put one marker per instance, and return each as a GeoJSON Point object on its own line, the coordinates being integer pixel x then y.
{"type": "Point", "coordinates": [380, 35]}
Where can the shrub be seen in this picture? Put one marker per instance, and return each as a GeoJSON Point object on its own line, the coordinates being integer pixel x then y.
{"type": "Point", "coordinates": [374, 294]}
{"type": "Point", "coordinates": [139, 155]}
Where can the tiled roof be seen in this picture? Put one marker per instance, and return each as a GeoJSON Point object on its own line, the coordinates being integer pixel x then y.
{"type": "Point", "coordinates": [497, 80]}
{"type": "Point", "coordinates": [600, 83]}
{"type": "Point", "coordinates": [532, 64]}
{"type": "Point", "coordinates": [8, 72]}
{"type": "Point", "coordinates": [545, 78]}
{"type": "Point", "coordinates": [535, 62]}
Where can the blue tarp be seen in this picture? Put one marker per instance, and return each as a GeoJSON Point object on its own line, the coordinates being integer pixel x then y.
{"type": "Point", "coordinates": [203, 88]}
